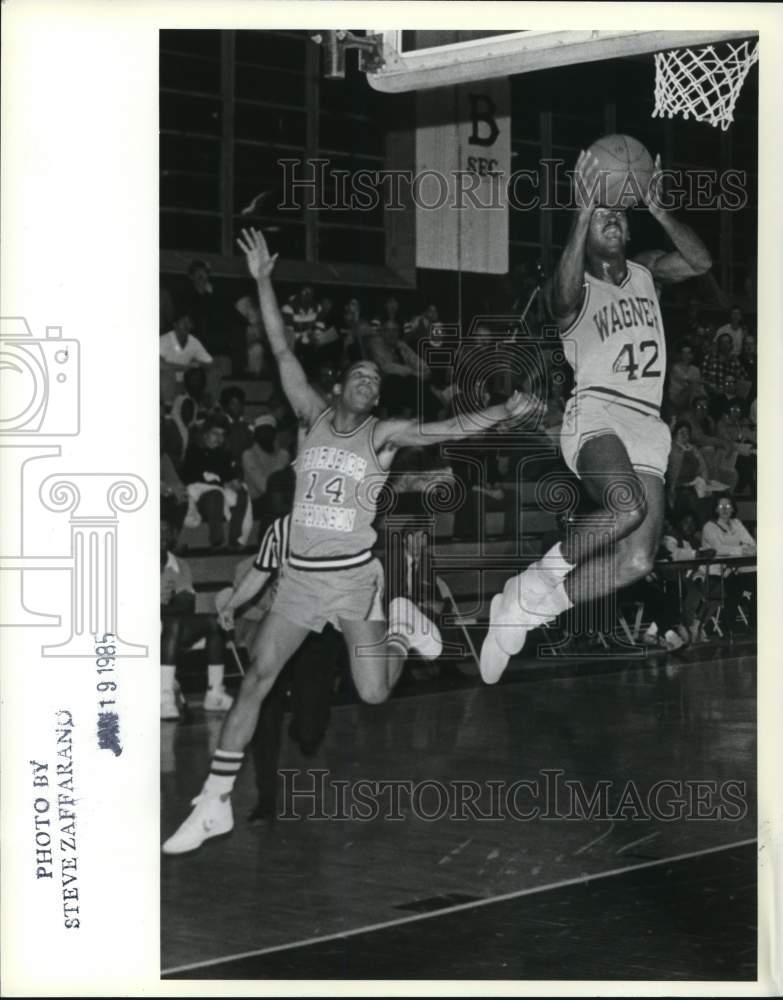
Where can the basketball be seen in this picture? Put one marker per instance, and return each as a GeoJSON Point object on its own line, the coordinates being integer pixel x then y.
{"type": "Point", "coordinates": [626, 169]}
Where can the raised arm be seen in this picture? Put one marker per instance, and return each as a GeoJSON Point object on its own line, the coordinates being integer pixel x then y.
{"type": "Point", "coordinates": [304, 400]}
{"type": "Point", "coordinates": [690, 256]}
{"type": "Point", "coordinates": [393, 434]}
{"type": "Point", "coordinates": [565, 290]}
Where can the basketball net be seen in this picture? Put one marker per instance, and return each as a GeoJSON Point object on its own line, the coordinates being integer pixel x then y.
{"type": "Point", "coordinates": [701, 84]}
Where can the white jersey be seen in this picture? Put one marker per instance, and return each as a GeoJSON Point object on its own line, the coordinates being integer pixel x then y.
{"type": "Point", "coordinates": [619, 347]}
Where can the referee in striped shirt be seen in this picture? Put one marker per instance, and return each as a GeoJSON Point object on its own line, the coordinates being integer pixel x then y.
{"type": "Point", "coordinates": [308, 676]}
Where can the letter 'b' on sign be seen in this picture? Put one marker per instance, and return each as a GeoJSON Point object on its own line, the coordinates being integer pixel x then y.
{"type": "Point", "coordinates": [482, 113]}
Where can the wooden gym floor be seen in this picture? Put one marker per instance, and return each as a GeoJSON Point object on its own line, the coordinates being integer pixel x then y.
{"type": "Point", "coordinates": [625, 895]}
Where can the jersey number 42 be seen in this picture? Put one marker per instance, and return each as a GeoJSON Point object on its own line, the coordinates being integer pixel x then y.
{"type": "Point", "coordinates": [626, 361]}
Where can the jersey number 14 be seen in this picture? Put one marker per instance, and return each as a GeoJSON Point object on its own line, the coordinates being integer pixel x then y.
{"type": "Point", "coordinates": [626, 361]}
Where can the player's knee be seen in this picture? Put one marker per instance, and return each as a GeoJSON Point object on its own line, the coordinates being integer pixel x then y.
{"type": "Point", "coordinates": [639, 563]}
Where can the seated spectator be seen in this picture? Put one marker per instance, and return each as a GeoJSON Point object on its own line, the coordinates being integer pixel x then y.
{"type": "Point", "coordinates": [729, 537]}
{"type": "Point", "coordinates": [215, 490]}
{"type": "Point", "coordinates": [187, 411]}
{"type": "Point", "coordinates": [748, 361]}
{"type": "Point", "coordinates": [255, 335]}
{"type": "Point", "coordinates": [682, 543]}
{"type": "Point", "coordinates": [684, 380]}
{"type": "Point", "coordinates": [686, 468]}
{"type": "Point", "coordinates": [263, 458]}
{"type": "Point", "coordinates": [173, 494]}
{"type": "Point", "coordinates": [419, 326]}
{"type": "Point", "coordinates": [719, 366]}
{"type": "Point", "coordinates": [355, 333]}
{"type": "Point", "coordinates": [326, 341]}
{"type": "Point", "coordinates": [389, 322]}
{"type": "Point", "coordinates": [735, 329]}
{"type": "Point", "coordinates": [662, 609]}
{"type": "Point", "coordinates": [724, 401]}
{"type": "Point", "coordinates": [239, 436]}
{"type": "Point", "coordinates": [704, 435]}
{"type": "Point", "coordinates": [300, 313]}
{"type": "Point", "coordinates": [325, 383]}
{"type": "Point", "coordinates": [179, 350]}
{"type": "Point", "coordinates": [181, 627]}
{"type": "Point", "coordinates": [739, 438]}
{"type": "Point", "coordinates": [211, 317]}
{"type": "Point", "coordinates": [403, 371]}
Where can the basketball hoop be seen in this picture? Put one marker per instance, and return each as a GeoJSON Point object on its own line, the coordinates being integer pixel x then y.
{"type": "Point", "coordinates": [702, 84]}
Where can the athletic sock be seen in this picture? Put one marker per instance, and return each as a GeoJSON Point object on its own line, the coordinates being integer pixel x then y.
{"type": "Point", "coordinates": [167, 678]}
{"type": "Point", "coordinates": [223, 771]}
{"type": "Point", "coordinates": [554, 565]}
{"type": "Point", "coordinates": [215, 673]}
{"type": "Point", "coordinates": [553, 602]}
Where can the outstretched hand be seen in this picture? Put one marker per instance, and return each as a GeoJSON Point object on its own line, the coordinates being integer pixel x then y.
{"type": "Point", "coordinates": [520, 404]}
{"type": "Point", "coordinates": [587, 181]}
{"type": "Point", "coordinates": [259, 261]}
{"type": "Point", "coordinates": [654, 191]}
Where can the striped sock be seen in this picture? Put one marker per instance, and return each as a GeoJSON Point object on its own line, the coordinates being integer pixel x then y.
{"type": "Point", "coordinates": [223, 771]}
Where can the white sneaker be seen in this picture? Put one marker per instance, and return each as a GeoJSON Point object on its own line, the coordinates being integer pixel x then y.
{"type": "Point", "coordinates": [211, 817]}
{"type": "Point", "coordinates": [422, 634]}
{"type": "Point", "coordinates": [217, 700]}
{"type": "Point", "coordinates": [511, 617]}
{"type": "Point", "coordinates": [169, 712]}
{"type": "Point", "coordinates": [494, 653]}
{"type": "Point", "coordinates": [672, 640]}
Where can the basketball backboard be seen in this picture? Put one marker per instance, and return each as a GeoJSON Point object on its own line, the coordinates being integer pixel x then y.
{"type": "Point", "coordinates": [419, 60]}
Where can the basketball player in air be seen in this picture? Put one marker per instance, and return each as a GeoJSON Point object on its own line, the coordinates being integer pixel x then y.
{"type": "Point", "coordinates": [612, 437]}
{"type": "Point", "coordinates": [331, 574]}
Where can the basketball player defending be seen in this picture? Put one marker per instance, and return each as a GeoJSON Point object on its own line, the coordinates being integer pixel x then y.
{"type": "Point", "coordinates": [330, 575]}
{"type": "Point", "coordinates": [612, 435]}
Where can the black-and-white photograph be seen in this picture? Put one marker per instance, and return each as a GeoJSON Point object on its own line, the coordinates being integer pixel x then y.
{"type": "Point", "coordinates": [458, 367]}
{"type": "Point", "coordinates": [458, 670]}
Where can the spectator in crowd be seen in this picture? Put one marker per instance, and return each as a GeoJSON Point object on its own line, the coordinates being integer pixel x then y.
{"type": "Point", "coordinates": [203, 307]}
{"type": "Point", "coordinates": [239, 436]}
{"type": "Point", "coordinates": [307, 679]}
{"type": "Point", "coordinates": [729, 537]}
{"type": "Point", "coordinates": [404, 372]}
{"type": "Point", "coordinates": [327, 345]}
{"type": "Point", "coordinates": [390, 320]}
{"type": "Point", "coordinates": [703, 433]}
{"type": "Point", "coordinates": [181, 627]}
{"type": "Point", "coordinates": [187, 411]}
{"type": "Point", "coordinates": [721, 365]}
{"type": "Point", "coordinates": [355, 333]}
{"type": "Point", "coordinates": [173, 494]}
{"type": "Point", "coordinates": [419, 327]}
{"type": "Point", "coordinates": [662, 608]}
{"type": "Point", "coordinates": [261, 460]}
{"type": "Point", "coordinates": [739, 440]}
{"type": "Point", "coordinates": [211, 321]}
{"type": "Point", "coordinates": [748, 360]}
{"type": "Point", "coordinates": [179, 351]}
{"type": "Point", "coordinates": [724, 401]}
{"type": "Point", "coordinates": [325, 383]}
{"type": "Point", "coordinates": [735, 329]}
{"type": "Point", "coordinates": [682, 543]}
{"type": "Point", "coordinates": [686, 469]}
{"type": "Point", "coordinates": [300, 313]}
{"type": "Point", "coordinates": [684, 380]}
{"type": "Point", "coordinates": [215, 490]}
{"type": "Point", "coordinates": [255, 337]}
